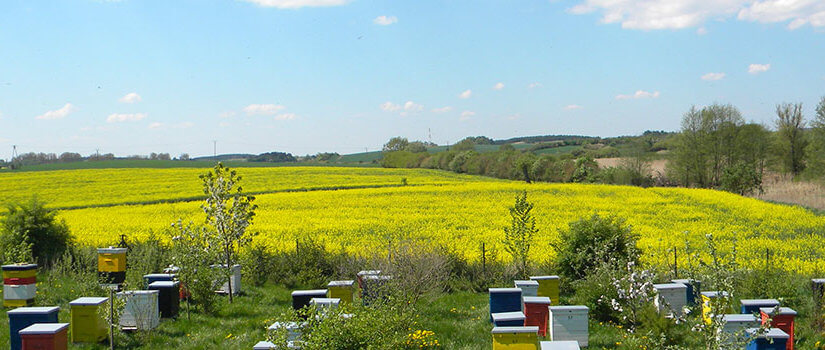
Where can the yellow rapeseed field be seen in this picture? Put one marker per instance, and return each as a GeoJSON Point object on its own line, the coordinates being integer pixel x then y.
{"type": "Point", "coordinates": [462, 212]}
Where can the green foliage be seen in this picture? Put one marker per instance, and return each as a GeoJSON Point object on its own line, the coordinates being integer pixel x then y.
{"type": "Point", "coordinates": [585, 171]}
{"type": "Point", "coordinates": [518, 238]}
{"type": "Point", "coordinates": [791, 141]}
{"type": "Point", "coordinates": [741, 179]}
{"type": "Point", "coordinates": [396, 144]}
{"type": "Point", "coordinates": [816, 147]}
{"type": "Point", "coordinates": [228, 215]}
{"type": "Point", "coordinates": [592, 242]}
{"type": "Point", "coordinates": [416, 147]}
{"type": "Point", "coordinates": [150, 255]}
{"type": "Point", "coordinates": [191, 251]}
{"type": "Point", "coordinates": [402, 159]}
{"type": "Point", "coordinates": [31, 230]}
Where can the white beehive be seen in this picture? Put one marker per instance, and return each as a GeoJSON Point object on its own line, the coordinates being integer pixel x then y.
{"type": "Point", "coordinates": [559, 345]}
{"type": "Point", "coordinates": [264, 345]}
{"type": "Point", "coordinates": [236, 279]}
{"type": "Point", "coordinates": [325, 304]}
{"type": "Point", "coordinates": [140, 311]}
{"type": "Point", "coordinates": [569, 323]}
{"type": "Point", "coordinates": [671, 298]}
{"type": "Point", "coordinates": [293, 330]}
{"type": "Point", "coordinates": [736, 326]}
{"type": "Point", "coordinates": [19, 291]}
{"type": "Point", "coordinates": [529, 288]}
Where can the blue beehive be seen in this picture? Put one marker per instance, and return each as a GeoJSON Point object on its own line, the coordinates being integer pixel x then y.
{"type": "Point", "coordinates": [504, 300]}
{"type": "Point", "coordinates": [774, 339]}
{"type": "Point", "coordinates": [694, 287]}
{"type": "Point", "coordinates": [751, 306]}
{"type": "Point", "coordinates": [23, 317]}
{"type": "Point", "coordinates": [508, 319]}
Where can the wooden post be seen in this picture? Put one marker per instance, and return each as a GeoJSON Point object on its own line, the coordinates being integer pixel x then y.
{"type": "Point", "coordinates": [675, 264]}
{"type": "Point", "coordinates": [483, 258]}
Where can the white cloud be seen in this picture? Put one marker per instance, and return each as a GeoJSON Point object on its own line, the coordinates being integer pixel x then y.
{"type": "Point", "coordinates": [224, 124]}
{"type": "Point", "coordinates": [678, 14]}
{"type": "Point", "coordinates": [119, 117]}
{"type": "Point", "coordinates": [411, 106]}
{"type": "Point", "coordinates": [263, 109]}
{"type": "Point", "coordinates": [755, 68]}
{"type": "Point", "coordinates": [572, 107]}
{"type": "Point", "coordinates": [385, 20]}
{"type": "Point", "coordinates": [713, 76]}
{"type": "Point", "coordinates": [498, 86]}
{"type": "Point", "coordinates": [534, 85]}
{"type": "Point", "coordinates": [228, 114]}
{"type": "Point", "coordinates": [285, 116]}
{"type": "Point", "coordinates": [702, 31]}
{"type": "Point", "coordinates": [294, 4]}
{"type": "Point", "coordinates": [390, 107]}
{"type": "Point", "coordinates": [57, 114]}
{"type": "Point", "coordinates": [466, 115]}
{"type": "Point", "coordinates": [155, 125]}
{"type": "Point", "coordinates": [131, 97]}
{"type": "Point", "coordinates": [182, 125]}
{"type": "Point", "coordinates": [466, 94]}
{"type": "Point", "coordinates": [638, 94]}
{"type": "Point", "coordinates": [444, 109]}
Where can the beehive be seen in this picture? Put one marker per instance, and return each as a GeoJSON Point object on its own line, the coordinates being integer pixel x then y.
{"type": "Point", "coordinates": [504, 300]}
{"type": "Point", "coordinates": [324, 304]}
{"type": "Point", "coordinates": [342, 290]}
{"type": "Point", "coordinates": [773, 339]}
{"type": "Point", "coordinates": [292, 329]}
{"type": "Point", "coordinates": [548, 287]}
{"type": "Point", "coordinates": [818, 287]}
{"type": "Point", "coordinates": [23, 317]}
{"type": "Point", "coordinates": [140, 311]}
{"type": "Point", "coordinates": [375, 288]}
{"type": "Point", "coordinates": [168, 297]}
{"type": "Point", "coordinates": [529, 288]}
{"type": "Point", "coordinates": [111, 265]}
{"type": "Point", "coordinates": [42, 336]}
{"type": "Point", "coordinates": [87, 323]}
{"type": "Point", "coordinates": [671, 298]}
{"type": "Point", "coordinates": [235, 278]}
{"type": "Point", "coordinates": [694, 287]}
{"type": "Point", "coordinates": [361, 274]}
{"type": "Point", "coordinates": [752, 306]}
{"type": "Point", "coordinates": [19, 284]}
{"type": "Point", "coordinates": [264, 345]}
{"type": "Point", "coordinates": [536, 313]}
{"type": "Point", "coordinates": [707, 304]}
{"type": "Point", "coordinates": [739, 322]}
{"type": "Point", "coordinates": [158, 277]}
{"type": "Point", "coordinates": [515, 338]}
{"type": "Point", "coordinates": [782, 318]}
{"type": "Point", "coordinates": [559, 345]}
{"type": "Point", "coordinates": [508, 319]}
{"type": "Point", "coordinates": [569, 323]}
{"type": "Point", "coordinates": [301, 298]}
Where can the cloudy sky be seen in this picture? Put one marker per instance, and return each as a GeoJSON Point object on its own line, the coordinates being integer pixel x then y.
{"type": "Point", "coordinates": [303, 76]}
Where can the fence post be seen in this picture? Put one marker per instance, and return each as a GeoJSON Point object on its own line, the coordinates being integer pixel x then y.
{"type": "Point", "coordinates": [767, 258]}
{"type": "Point", "coordinates": [675, 264]}
{"type": "Point", "coordinates": [483, 258]}
{"type": "Point", "coordinates": [297, 247]}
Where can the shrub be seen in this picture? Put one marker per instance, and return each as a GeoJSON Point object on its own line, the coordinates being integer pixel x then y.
{"type": "Point", "coordinates": [519, 236]}
{"type": "Point", "coordinates": [32, 223]}
{"type": "Point", "coordinates": [742, 179]}
{"type": "Point", "coordinates": [593, 242]}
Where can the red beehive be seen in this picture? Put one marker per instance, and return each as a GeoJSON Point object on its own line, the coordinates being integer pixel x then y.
{"type": "Point", "coordinates": [536, 313]}
{"type": "Point", "coordinates": [782, 318]}
{"type": "Point", "coordinates": [45, 336]}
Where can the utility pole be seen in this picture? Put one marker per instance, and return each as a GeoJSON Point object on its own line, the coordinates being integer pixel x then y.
{"type": "Point", "coordinates": [215, 148]}
{"type": "Point", "coordinates": [430, 135]}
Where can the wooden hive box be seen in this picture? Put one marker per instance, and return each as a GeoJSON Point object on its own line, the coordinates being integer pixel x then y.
{"type": "Point", "coordinates": [515, 338]}
{"type": "Point", "coordinates": [671, 298]}
{"type": "Point", "coordinates": [87, 322]}
{"type": "Point", "coordinates": [569, 323]}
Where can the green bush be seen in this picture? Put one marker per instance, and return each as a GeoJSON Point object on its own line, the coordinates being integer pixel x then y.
{"type": "Point", "coordinates": [592, 242]}
{"type": "Point", "coordinates": [38, 226]}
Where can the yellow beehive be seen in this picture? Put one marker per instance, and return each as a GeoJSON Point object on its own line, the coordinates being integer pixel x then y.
{"type": "Point", "coordinates": [88, 325]}
{"type": "Point", "coordinates": [111, 265]}
{"type": "Point", "coordinates": [548, 287]}
{"type": "Point", "coordinates": [342, 290]}
{"type": "Point", "coordinates": [515, 338]}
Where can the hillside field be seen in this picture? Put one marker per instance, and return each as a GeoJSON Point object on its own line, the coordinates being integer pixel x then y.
{"type": "Point", "coordinates": [363, 210]}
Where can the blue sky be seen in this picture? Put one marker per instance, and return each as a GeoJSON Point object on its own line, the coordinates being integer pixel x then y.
{"type": "Point", "coordinates": [304, 76]}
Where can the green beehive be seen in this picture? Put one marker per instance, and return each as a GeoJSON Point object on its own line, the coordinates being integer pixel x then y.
{"type": "Point", "coordinates": [88, 324]}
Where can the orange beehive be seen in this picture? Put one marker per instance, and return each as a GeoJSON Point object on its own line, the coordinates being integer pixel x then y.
{"type": "Point", "coordinates": [536, 313]}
